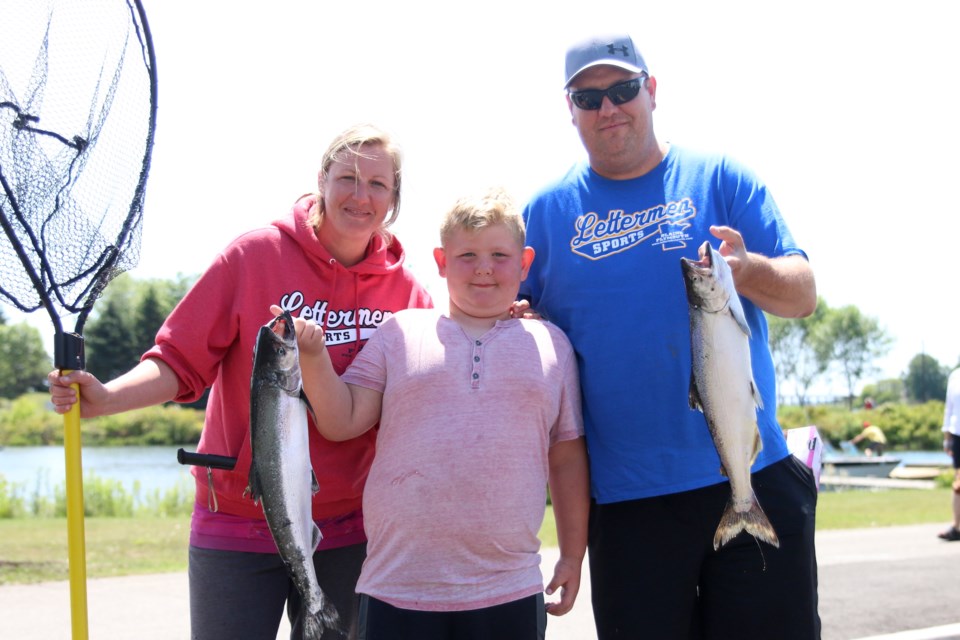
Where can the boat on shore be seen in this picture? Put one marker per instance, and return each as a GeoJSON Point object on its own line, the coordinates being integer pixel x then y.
{"type": "Point", "coordinates": [855, 464]}
{"type": "Point", "coordinates": [922, 465]}
{"type": "Point", "coordinates": [910, 472]}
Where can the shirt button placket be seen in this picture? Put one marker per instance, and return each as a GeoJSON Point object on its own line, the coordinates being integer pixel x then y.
{"type": "Point", "coordinates": [477, 365]}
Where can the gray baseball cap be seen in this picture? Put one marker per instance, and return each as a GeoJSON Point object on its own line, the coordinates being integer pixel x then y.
{"type": "Point", "coordinates": [616, 50]}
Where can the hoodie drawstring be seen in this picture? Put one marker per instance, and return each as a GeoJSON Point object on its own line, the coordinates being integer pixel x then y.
{"type": "Point", "coordinates": [331, 297]}
{"type": "Point", "coordinates": [356, 310]}
{"type": "Point", "coordinates": [356, 302]}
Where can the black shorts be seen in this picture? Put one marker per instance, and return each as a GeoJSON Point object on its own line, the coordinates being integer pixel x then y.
{"type": "Point", "coordinates": [955, 450]}
{"type": "Point", "coordinates": [524, 619]}
{"type": "Point", "coordinates": [654, 572]}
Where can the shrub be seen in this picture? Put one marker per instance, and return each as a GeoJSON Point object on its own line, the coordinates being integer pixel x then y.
{"type": "Point", "coordinates": [30, 421]}
{"type": "Point", "coordinates": [102, 498]}
{"type": "Point", "coordinates": [907, 426]}
{"type": "Point", "coordinates": [11, 502]}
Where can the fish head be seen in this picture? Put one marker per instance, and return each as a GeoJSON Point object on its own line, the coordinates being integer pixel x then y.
{"type": "Point", "coordinates": [276, 360]}
{"type": "Point", "coordinates": [709, 280]}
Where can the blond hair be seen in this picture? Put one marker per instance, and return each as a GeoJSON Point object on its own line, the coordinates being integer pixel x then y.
{"type": "Point", "coordinates": [353, 141]}
{"type": "Point", "coordinates": [472, 213]}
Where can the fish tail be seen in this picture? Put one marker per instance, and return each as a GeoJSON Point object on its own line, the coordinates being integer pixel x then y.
{"type": "Point", "coordinates": [754, 521]}
{"type": "Point", "coordinates": [313, 627]}
{"type": "Point", "coordinates": [326, 618]}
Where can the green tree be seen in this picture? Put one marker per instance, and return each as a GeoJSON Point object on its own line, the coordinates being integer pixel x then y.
{"type": "Point", "coordinates": [110, 340]}
{"type": "Point", "coordinates": [793, 348]}
{"type": "Point", "coordinates": [24, 362]}
{"type": "Point", "coordinates": [853, 341]}
{"type": "Point", "coordinates": [881, 392]}
{"type": "Point", "coordinates": [125, 321]}
{"type": "Point", "coordinates": [151, 311]}
{"type": "Point", "coordinates": [926, 379]}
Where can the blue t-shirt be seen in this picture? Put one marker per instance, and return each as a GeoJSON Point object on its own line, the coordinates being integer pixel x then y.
{"type": "Point", "coordinates": [607, 272]}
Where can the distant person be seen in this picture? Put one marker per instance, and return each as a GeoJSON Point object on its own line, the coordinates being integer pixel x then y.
{"type": "Point", "coordinates": [478, 412]}
{"type": "Point", "coordinates": [332, 258]}
{"type": "Point", "coordinates": [609, 235]}
{"type": "Point", "coordinates": [876, 440]}
{"type": "Point", "coordinates": [951, 444]}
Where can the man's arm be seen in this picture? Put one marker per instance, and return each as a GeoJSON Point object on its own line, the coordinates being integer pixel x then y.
{"type": "Point", "coordinates": [784, 286]}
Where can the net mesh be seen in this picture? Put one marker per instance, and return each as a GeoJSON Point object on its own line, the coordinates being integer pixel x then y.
{"type": "Point", "coordinates": [77, 117]}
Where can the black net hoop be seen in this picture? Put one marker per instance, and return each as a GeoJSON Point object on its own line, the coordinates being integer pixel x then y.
{"type": "Point", "coordinates": [78, 106]}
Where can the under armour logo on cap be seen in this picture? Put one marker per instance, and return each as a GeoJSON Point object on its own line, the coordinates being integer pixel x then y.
{"type": "Point", "coordinates": [612, 49]}
{"type": "Point", "coordinates": [616, 50]}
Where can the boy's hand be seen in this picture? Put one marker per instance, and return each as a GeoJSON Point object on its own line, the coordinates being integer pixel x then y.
{"type": "Point", "coordinates": [310, 336]}
{"type": "Point", "coordinates": [566, 577]}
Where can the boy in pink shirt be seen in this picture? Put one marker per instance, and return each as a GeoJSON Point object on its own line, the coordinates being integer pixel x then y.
{"type": "Point", "coordinates": [478, 411]}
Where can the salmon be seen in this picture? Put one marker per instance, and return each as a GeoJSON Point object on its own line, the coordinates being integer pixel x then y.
{"type": "Point", "coordinates": [281, 476]}
{"type": "Point", "coordinates": [722, 387]}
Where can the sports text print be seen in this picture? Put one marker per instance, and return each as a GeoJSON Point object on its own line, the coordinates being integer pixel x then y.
{"type": "Point", "coordinates": [340, 325]}
{"type": "Point", "coordinates": [598, 237]}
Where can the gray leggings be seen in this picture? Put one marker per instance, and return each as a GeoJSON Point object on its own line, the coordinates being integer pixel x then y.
{"type": "Point", "coordinates": [242, 595]}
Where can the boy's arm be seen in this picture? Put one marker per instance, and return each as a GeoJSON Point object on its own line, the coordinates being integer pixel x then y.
{"type": "Point", "coordinates": [570, 494]}
{"type": "Point", "coordinates": [341, 411]}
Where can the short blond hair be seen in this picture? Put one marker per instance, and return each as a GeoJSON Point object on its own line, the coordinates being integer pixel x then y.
{"type": "Point", "coordinates": [354, 141]}
{"type": "Point", "coordinates": [472, 213]}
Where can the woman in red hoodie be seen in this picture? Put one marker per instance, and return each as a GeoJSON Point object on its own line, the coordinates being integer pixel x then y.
{"type": "Point", "coordinates": [331, 259]}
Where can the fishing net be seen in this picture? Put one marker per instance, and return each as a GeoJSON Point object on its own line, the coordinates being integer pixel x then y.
{"type": "Point", "coordinates": [77, 119]}
{"type": "Point", "coordinates": [78, 111]}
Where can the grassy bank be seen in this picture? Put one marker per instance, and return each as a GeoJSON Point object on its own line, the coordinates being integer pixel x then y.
{"type": "Point", "coordinates": [35, 549]}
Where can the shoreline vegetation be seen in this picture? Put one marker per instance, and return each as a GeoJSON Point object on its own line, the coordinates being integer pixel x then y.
{"type": "Point", "coordinates": [34, 549]}
{"type": "Point", "coordinates": [131, 534]}
{"type": "Point", "coordinates": [29, 421]}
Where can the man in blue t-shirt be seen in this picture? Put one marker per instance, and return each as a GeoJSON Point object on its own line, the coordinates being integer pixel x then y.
{"type": "Point", "coordinates": [609, 236]}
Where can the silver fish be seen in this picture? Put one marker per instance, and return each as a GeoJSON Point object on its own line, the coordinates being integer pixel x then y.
{"type": "Point", "coordinates": [722, 387]}
{"type": "Point", "coordinates": [281, 477]}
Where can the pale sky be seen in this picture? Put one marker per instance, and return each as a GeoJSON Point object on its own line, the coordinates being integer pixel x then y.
{"type": "Point", "coordinates": [846, 109]}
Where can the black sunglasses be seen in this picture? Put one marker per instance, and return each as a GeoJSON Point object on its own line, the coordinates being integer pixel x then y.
{"type": "Point", "coordinates": [620, 93]}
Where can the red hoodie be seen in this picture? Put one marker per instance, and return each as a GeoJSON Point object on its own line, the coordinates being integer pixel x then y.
{"type": "Point", "coordinates": [209, 338]}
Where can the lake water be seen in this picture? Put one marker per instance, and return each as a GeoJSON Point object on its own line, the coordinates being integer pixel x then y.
{"type": "Point", "coordinates": [923, 458]}
{"type": "Point", "coordinates": [41, 469]}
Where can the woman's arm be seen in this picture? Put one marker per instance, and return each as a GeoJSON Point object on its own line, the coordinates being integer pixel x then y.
{"type": "Point", "coordinates": [150, 382]}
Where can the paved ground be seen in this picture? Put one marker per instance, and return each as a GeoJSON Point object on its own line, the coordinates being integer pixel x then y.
{"type": "Point", "coordinates": [892, 583]}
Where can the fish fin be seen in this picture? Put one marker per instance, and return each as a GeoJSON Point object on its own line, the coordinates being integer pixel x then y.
{"type": "Point", "coordinates": [324, 619]}
{"type": "Point", "coordinates": [756, 394]}
{"type": "Point", "coordinates": [754, 521]}
{"type": "Point", "coordinates": [736, 310]}
{"type": "Point", "coordinates": [253, 485]}
{"type": "Point", "coordinates": [693, 395]}
{"type": "Point", "coordinates": [306, 403]}
{"type": "Point", "coordinates": [314, 485]}
{"type": "Point", "coordinates": [757, 447]}
{"type": "Point", "coordinates": [312, 627]}
{"type": "Point", "coordinates": [315, 537]}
